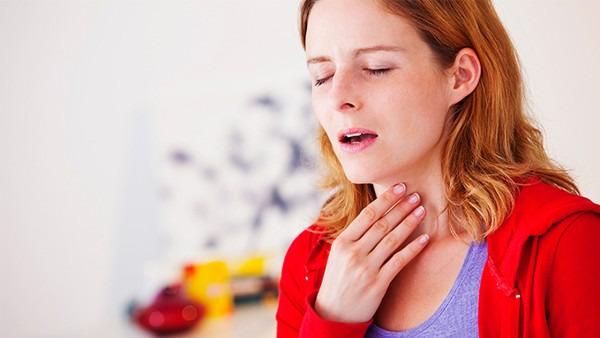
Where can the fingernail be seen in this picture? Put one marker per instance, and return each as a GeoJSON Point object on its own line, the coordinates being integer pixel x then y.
{"type": "Point", "coordinates": [424, 238]}
{"type": "Point", "coordinates": [399, 189]}
{"type": "Point", "coordinates": [420, 210]}
{"type": "Point", "coordinates": [413, 198]}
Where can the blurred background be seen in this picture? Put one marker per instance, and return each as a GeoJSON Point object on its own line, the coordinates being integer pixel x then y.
{"type": "Point", "coordinates": [147, 144]}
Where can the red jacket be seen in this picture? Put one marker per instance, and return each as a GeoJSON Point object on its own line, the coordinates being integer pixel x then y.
{"type": "Point", "coordinates": [541, 279]}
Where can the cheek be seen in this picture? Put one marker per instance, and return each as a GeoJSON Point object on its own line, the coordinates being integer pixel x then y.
{"type": "Point", "coordinates": [319, 110]}
{"type": "Point", "coordinates": [419, 100]}
{"type": "Point", "coordinates": [323, 118]}
{"type": "Point", "coordinates": [318, 113]}
{"type": "Point", "coordinates": [433, 91]}
{"type": "Point", "coordinates": [416, 114]}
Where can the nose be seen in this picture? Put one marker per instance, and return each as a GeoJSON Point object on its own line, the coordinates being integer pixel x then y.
{"type": "Point", "coordinates": [345, 93]}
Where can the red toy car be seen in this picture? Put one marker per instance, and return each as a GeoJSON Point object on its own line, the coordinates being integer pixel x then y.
{"type": "Point", "coordinates": [170, 312]}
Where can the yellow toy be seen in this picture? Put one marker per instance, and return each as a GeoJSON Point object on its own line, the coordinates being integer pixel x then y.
{"type": "Point", "coordinates": [209, 283]}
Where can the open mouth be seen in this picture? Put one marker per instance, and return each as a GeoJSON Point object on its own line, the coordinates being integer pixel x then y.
{"type": "Point", "coordinates": [356, 137]}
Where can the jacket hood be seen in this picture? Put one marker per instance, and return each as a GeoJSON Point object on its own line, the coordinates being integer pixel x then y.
{"type": "Point", "coordinates": [538, 206]}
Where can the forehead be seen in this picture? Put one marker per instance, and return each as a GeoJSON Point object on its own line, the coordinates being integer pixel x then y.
{"type": "Point", "coordinates": [346, 25]}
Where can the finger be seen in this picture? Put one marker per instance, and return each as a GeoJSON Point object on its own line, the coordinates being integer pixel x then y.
{"type": "Point", "coordinates": [373, 212]}
{"type": "Point", "coordinates": [401, 258]}
{"type": "Point", "coordinates": [387, 223]}
{"type": "Point", "coordinates": [392, 241]}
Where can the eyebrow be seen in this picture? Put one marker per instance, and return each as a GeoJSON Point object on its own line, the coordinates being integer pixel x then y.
{"type": "Point", "coordinates": [357, 52]}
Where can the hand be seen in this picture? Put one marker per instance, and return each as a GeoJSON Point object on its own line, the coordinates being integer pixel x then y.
{"type": "Point", "coordinates": [364, 258]}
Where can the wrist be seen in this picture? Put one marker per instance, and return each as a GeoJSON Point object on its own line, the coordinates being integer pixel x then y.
{"type": "Point", "coordinates": [327, 310]}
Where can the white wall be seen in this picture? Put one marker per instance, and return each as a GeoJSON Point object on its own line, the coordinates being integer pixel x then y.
{"type": "Point", "coordinates": [73, 90]}
{"type": "Point", "coordinates": [559, 49]}
{"type": "Point", "coordinates": [92, 95]}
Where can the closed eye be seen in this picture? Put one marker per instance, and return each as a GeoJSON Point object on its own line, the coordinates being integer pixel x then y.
{"type": "Point", "coordinates": [374, 72]}
{"type": "Point", "coordinates": [321, 81]}
{"type": "Point", "coordinates": [377, 72]}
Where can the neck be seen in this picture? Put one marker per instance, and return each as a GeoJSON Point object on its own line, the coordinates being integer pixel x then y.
{"type": "Point", "coordinates": [430, 186]}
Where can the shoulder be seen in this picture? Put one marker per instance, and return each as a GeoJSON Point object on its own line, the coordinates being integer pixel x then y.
{"type": "Point", "coordinates": [572, 291]}
{"type": "Point", "coordinates": [307, 251]}
{"type": "Point", "coordinates": [575, 223]}
{"type": "Point", "coordinates": [585, 220]}
{"type": "Point", "coordinates": [571, 246]}
{"type": "Point", "coordinates": [547, 199]}
{"type": "Point", "coordinates": [307, 237]}
{"type": "Point", "coordinates": [306, 254]}
{"type": "Point", "coordinates": [304, 243]}
{"type": "Point", "coordinates": [579, 232]}
{"type": "Point", "coordinates": [539, 207]}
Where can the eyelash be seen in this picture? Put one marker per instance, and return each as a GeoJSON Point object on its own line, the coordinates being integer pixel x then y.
{"type": "Point", "coordinates": [374, 72]}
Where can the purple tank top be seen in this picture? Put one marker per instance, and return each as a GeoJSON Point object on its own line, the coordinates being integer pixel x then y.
{"type": "Point", "coordinates": [457, 316]}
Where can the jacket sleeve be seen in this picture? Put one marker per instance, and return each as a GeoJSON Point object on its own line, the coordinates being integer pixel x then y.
{"type": "Point", "coordinates": [295, 315]}
{"type": "Point", "coordinates": [574, 290]}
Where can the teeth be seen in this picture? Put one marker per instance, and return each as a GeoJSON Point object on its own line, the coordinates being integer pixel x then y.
{"type": "Point", "coordinates": [353, 135]}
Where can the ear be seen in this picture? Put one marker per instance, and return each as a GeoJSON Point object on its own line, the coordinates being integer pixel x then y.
{"type": "Point", "coordinates": [464, 75]}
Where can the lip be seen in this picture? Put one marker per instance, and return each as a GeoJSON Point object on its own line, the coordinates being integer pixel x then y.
{"type": "Point", "coordinates": [356, 147]}
{"type": "Point", "coordinates": [344, 132]}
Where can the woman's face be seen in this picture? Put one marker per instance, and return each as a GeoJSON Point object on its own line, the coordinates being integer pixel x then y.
{"type": "Point", "coordinates": [375, 80]}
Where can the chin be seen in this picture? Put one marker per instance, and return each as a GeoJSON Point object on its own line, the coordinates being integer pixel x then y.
{"type": "Point", "coordinates": [367, 170]}
{"type": "Point", "coordinates": [376, 173]}
{"type": "Point", "coordinates": [360, 175]}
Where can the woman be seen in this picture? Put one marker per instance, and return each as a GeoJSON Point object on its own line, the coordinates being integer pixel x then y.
{"type": "Point", "coordinates": [447, 217]}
